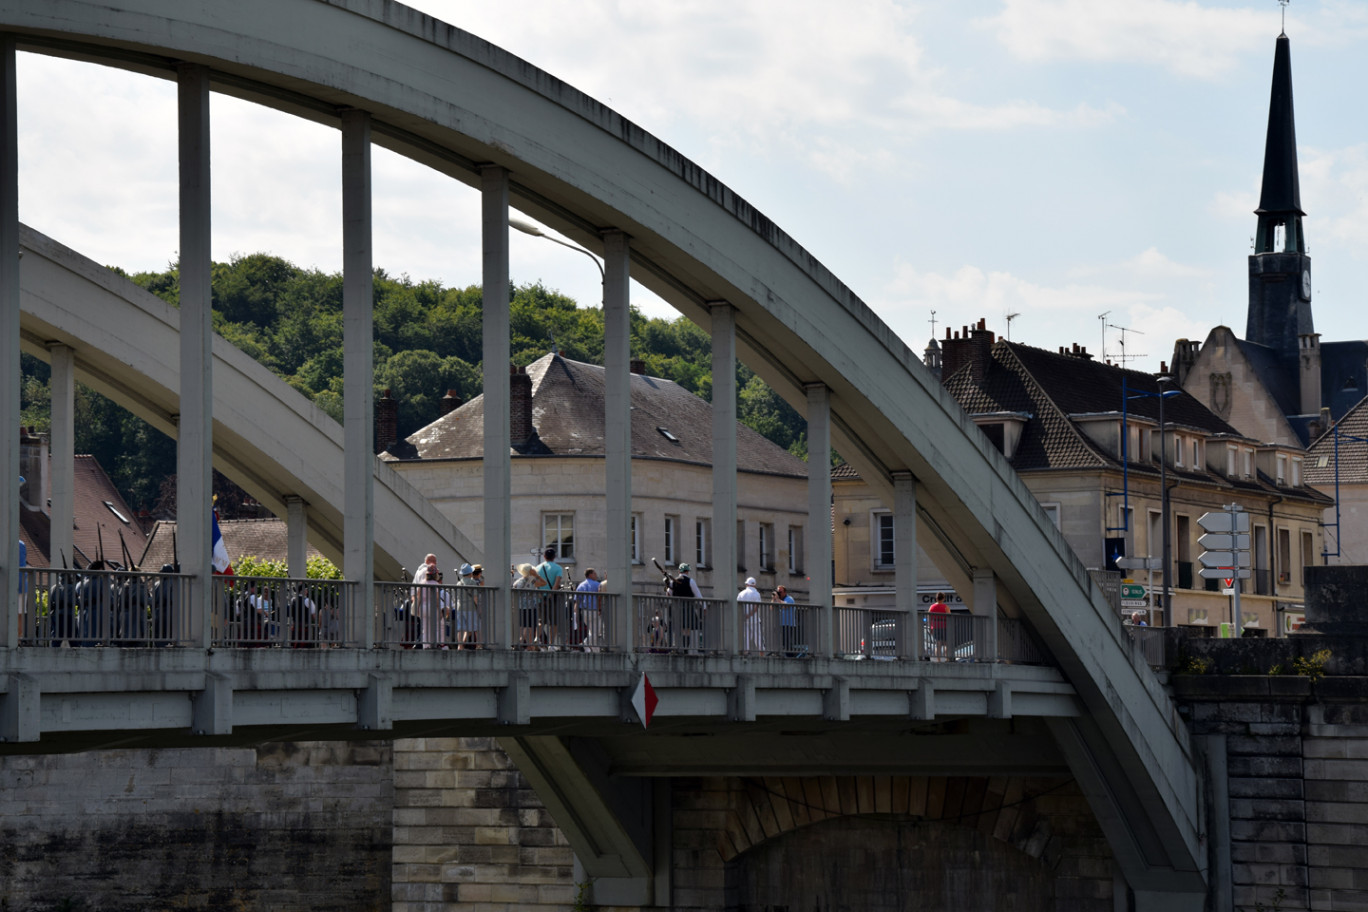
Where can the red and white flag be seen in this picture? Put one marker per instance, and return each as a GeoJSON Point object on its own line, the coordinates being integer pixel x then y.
{"type": "Point", "coordinates": [644, 700]}
{"type": "Point", "coordinates": [223, 565]}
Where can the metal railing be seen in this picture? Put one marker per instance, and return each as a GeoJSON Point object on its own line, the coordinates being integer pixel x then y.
{"type": "Point", "coordinates": [432, 616]}
{"type": "Point", "coordinates": [261, 611]}
{"type": "Point", "coordinates": [1152, 642]}
{"type": "Point", "coordinates": [670, 624]}
{"type": "Point", "coordinates": [119, 608]}
{"type": "Point", "coordinates": [103, 608]}
{"type": "Point", "coordinates": [563, 619]}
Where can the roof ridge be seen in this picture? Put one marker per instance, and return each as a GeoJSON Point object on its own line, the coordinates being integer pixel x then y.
{"type": "Point", "coordinates": [1039, 392]}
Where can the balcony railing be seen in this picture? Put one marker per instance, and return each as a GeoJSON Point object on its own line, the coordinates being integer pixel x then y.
{"type": "Point", "coordinates": [113, 608]}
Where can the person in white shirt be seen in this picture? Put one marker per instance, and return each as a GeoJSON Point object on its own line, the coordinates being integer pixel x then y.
{"type": "Point", "coordinates": [748, 600]}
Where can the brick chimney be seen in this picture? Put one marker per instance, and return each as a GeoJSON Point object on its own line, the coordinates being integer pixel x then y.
{"type": "Point", "coordinates": [520, 406]}
{"type": "Point", "coordinates": [450, 403]}
{"type": "Point", "coordinates": [33, 465]}
{"type": "Point", "coordinates": [386, 422]}
{"type": "Point", "coordinates": [638, 366]}
{"type": "Point", "coordinates": [972, 346]}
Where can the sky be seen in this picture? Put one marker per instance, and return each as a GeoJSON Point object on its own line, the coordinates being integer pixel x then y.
{"type": "Point", "coordinates": [1088, 168]}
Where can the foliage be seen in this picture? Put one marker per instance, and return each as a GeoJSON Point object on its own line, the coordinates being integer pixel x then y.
{"type": "Point", "coordinates": [319, 567]}
{"type": "Point", "coordinates": [428, 339]}
{"type": "Point", "coordinates": [1191, 664]}
{"type": "Point", "coordinates": [582, 896]}
{"type": "Point", "coordinates": [1312, 666]}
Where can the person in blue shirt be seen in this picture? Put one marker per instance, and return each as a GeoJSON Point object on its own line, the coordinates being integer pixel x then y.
{"type": "Point", "coordinates": [788, 622]}
{"type": "Point", "coordinates": [552, 575]}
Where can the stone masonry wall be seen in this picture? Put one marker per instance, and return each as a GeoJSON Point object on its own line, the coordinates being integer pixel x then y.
{"type": "Point", "coordinates": [282, 827]}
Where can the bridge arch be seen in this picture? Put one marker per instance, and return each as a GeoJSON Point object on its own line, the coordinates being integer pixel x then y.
{"type": "Point", "coordinates": [464, 107]}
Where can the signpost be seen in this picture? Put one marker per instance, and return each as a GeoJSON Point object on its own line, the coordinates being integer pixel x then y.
{"type": "Point", "coordinates": [1227, 554]}
{"type": "Point", "coordinates": [1133, 595]}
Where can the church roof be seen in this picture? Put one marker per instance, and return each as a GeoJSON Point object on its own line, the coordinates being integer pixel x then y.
{"type": "Point", "coordinates": [668, 422]}
{"type": "Point", "coordinates": [1281, 188]}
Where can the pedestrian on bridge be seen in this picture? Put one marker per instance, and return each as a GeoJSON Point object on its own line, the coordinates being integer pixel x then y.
{"type": "Point", "coordinates": [690, 615]}
{"type": "Point", "coordinates": [528, 579]}
{"type": "Point", "coordinates": [590, 606]}
{"type": "Point", "coordinates": [752, 619]}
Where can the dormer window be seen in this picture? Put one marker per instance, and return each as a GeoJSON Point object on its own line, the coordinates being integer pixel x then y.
{"type": "Point", "coordinates": [1178, 444]}
{"type": "Point", "coordinates": [1003, 429]}
{"type": "Point", "coordinates": [1296, 478]}
{"type": "Point", "coordinates": [1281, 472]}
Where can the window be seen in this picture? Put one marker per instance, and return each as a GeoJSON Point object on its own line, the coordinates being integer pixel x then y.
{"type": "Point", "coordinates": [1196, 453]}
{"type": "Point", "coordinates": [558, 532]}
{"type": "Point", "coordinates": [741, 545]}
{"type": "Point", "coordinates": [1308, 553]}
{"type": "Point", "coordinates": [1232, 459]}
{"type": "Point", "coordinates": [795, 550]}
{"type": "Point", "coordinates": [1247, 462]}
{"type": "Point", "coordinates": [703, 543]}
{"type": "Point", "coordinates": [883, 541]}
{"type": "Point", "coordinates": [1284, 537]}
{"type": "Point", "coordinates": [1052, 511]}
{"type": "Point", "coordinates": [1296, 472]}
{"type": "Point", "coordinates": [636, 538]}
{"type": "Point", "coordinates": [767, 546]}
{"type": "Point", "coordinates": [1178, 444]}
{"type": "Point", "coordinates": [671, 540]}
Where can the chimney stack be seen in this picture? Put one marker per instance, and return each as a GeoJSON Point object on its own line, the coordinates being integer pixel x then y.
{"type": "Point", "coordinates": [638, 366]}
{"type": "Point", "coordinates": [450, 403]}
{"type": "Point", "coordinates": [386, 422]}
{"type": "Point", "coordinates": [520, 405]}
{"type": "Point", "coordinates": [972, 346]}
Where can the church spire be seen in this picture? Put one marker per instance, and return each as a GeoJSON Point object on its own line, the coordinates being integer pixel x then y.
{"type": "Point", "coordinates": [1280, 200]}
{"type": "Point", "coordinates": [1279, 269]}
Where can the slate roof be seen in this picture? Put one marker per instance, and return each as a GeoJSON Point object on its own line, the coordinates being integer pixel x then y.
{"type": "Point", "coordinates": [1353, 454]}
{"type": "Point", "coordinates": [99, 512]}
{"type": "Point", "coordinates": [1057, 389]}
{"type": "Point", "coordinates": [267, 539]}
{"type": "Point", "coordinates": [567, 413]}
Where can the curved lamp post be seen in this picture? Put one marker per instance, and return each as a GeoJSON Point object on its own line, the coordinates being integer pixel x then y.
{"type": "Point", "coordinates": [527, 227]}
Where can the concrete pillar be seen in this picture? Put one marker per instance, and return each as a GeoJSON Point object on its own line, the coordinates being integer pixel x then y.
{"type": "Point", "coordinates": [498, 466]}
{"type": "Point", "coordinates": [904, 561]}
{"type": "Point", "coordinates": [984, 605]}
{"type": "Point", "coordinates": [63, 450]}
{"type": "Point", "coordinates": [724, 468]}
{"type": "Point", "coordinates": [9, 347]}
{"type": "Point", "coordinates": [195, 423]}
{"type": "Point", "coordinates": [617, 423]}
{"type": "Point", "coordinates": [358, 369]}
{"type": "Point", "coordinates": [818, 538]}
{"type": "Point", "coordinates": [297, 536]}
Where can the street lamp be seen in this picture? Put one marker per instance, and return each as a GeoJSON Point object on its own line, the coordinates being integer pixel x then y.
{"type": "Point", "coordinates": [527, 227]}
{"type": "Point", "coordinates": [1164, 548]}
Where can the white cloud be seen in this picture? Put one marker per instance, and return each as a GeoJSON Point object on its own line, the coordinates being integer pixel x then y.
{"type": "Point", "coordinates": [1185, 37]}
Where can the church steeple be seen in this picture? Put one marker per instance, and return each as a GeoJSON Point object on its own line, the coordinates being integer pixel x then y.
{"type": "Point", "coordinates": [1279, 269]}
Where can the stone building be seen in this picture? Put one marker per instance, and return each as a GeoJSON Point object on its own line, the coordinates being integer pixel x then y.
{"type": "Point", "coordinates": [558, 480]}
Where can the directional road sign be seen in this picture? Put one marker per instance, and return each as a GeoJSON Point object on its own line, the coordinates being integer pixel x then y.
{"type": "Point", "coordinates": [1132, 591]}
{"type": "Point", "coordinates": [1224, 522]}
{"type": "Point", "coordinates": [1224, 559]}
{"type": "Point", "coordinates": [1139, 563]}
{"type": "Point", "coordinates": [1225, 541]}
{"type": "Point", "coordinates": [1224, 573]}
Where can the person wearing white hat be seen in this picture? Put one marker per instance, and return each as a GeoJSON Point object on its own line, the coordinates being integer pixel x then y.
{"type": "Point", "coordinates": [748, 602]}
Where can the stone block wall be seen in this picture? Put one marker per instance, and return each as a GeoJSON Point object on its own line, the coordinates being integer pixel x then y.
{"type": "Point", "coordinates": [282, 827]}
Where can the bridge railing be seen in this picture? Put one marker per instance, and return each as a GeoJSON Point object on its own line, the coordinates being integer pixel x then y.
{"type": "Point", "coordinates": [564, 619]}
{"type": "Point", "coordinates": [261, 611]}
{"type": "Point", "coordinates": [103, 608]}
{"type": "Point", "coordinates": [427, 615]}
{"type": "Point", "coordinates": [884, 634]}
{"type": "Point", "coordinates": [671, 624]}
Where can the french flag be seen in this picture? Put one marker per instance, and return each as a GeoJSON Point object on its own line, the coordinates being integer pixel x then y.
{"type": "Point", "coordinates": [222, 565]}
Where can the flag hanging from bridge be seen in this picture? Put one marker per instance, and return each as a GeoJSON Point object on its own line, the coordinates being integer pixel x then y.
{"type": "Point", "coordinates": [222, 565]}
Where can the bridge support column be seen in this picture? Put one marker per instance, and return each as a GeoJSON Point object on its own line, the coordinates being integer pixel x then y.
{"type": "Point", "coordinates": [985, 606]}
{"type": "Point", "coordinates": [619, 826]}
{"type": "Point", "coordinates": [498, 465]}
{"type": "Point", "coordinates": [617, 424]}
{"type": "Point", "coordinates": [9, 346]}
{"type": "Point", "coordinates": [724, 468]}
{"type": "Point", "coordinates": [819, 510]}
{"type": "Point", "coordinates": [358, 374]}
{"type": "Point", "coordinates": [63, 450]}
{"type": "Point", "coordinates": [297, 536]}
{"type": "Point", "coordinates": [909, 633]}
{"type": "Point", "coordinates": [195, 423]}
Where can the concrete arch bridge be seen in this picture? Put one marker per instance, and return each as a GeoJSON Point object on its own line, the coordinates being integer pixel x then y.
{"type": "Point", "coordinates": [387, 75]}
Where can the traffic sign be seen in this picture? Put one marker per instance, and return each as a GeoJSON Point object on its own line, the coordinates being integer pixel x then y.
{"type": "Point", "coordinates": [1224, 573]}
{"type": "Point", "coordinates": [1225, 541]}
{"type": "Point", "coordinates": [1224, 559]}
{"type": "Point", "coordinates": [1132, 591]}
{"type": "Point", "coordinates": [1139, 563]}
{"type": "Point", "coordinates": [1224, 522]}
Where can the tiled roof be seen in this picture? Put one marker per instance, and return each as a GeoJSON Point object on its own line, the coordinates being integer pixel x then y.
{"type": "Point", "coordinates": [100, 515]}
{"type": "Point", "coordinates": [567, 412]}
{"type": "Point", "coordinates": [1352, 456]}
{"type": "Point", "coordinates": [844, 471]}
{"type": "Point", "coordinates": [267, 539]}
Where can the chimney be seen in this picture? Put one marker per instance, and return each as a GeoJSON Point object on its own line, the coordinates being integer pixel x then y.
{"type": "Point", "coordinates": [450, 403]}
{"type": "Point", "coordinates": [638, 366]}
{"type": "Point", "coordinates": [1185, 354]}
{"type": "Point", "coordinates": [972, 346]}
{"type": "Point", "coordinates": [33, 465]}
{"type": "Point", "coordinates": [386, 422]}
{"type": "Point", "coordinates": [520, 405]}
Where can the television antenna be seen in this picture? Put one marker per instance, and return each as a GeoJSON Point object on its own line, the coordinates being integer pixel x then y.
{"type": "Point", "coordinates": [1125, 329]}
{"type": "Point", "coordinates": [1103, 317]}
